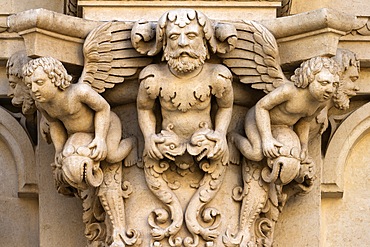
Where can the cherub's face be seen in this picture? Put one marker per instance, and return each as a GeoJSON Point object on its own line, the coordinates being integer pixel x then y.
{"type": "Point", "coordinates": [42, 88]}
{"type": "Point", "coordinates": [322, 87]}
{"type": "Point", "coordinates": [185, 49]}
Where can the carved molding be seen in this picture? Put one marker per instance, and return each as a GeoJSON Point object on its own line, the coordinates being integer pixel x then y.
{"type": "Point", "coordinates": [42, 28]}
{"type": "Point", "coordinates": [346, 136]}
{"type": "Point", "coordinates": [303, 29]}
{"type": "Point", "coordinates": [21, 148]}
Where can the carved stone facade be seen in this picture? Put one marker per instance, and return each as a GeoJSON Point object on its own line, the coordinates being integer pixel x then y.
{"type": "Point", "coordinates": [185, 123]}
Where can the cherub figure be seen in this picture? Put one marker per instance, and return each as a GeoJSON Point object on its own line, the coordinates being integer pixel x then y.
{"type": "Point", "coordinates": [64, 105]}
{"type": "Point", "coordinates": [292, 104]}
{"type": "Point", "coordinates": [275, 144]}
{"type": "Point", "coordinates": [185, 87]}
{"type": "Point", "coordinates": [87, 138]}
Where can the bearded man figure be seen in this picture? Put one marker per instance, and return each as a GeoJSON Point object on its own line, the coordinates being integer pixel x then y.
{"type": "Point", "coordinates": [185, 86]}
{"type": "Point", "coordinates": [349, 68]}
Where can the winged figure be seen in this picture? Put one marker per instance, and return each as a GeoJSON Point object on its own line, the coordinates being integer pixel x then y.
{"type": "Point", "coordinates": [85, 132]}
{"type": "Point", "coordinates": [287, 103]}
{"type": "Point", "coordinates": [276, 129]}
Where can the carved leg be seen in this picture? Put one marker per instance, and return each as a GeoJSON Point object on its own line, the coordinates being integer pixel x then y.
{"type": "Point", "coordinates": [250, 146]}
{"type": "Point", "coordinates": [153, 174]}
{"type": "Point", "coordinates": [209, 186]}
{"type": "Point", "coordinates": [120, 149]}
{"type": "Point", "coordinates": [111, 198]}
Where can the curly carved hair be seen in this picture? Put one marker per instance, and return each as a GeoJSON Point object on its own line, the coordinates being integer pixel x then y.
{"type": "Point", "coordinates": [53, 68]}
{"type": "Point", "coordinates": [306, 73]}
{"type": "Point", "coordinates": [182, 18]}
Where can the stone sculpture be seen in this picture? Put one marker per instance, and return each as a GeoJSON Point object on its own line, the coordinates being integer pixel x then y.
{"type": "Point", "coordinates": [184, 86]}
{"type": "Point", "coordinates": [349, 67]}
{"type": "Point", "coordinates": [88, 153]}
{"type": "Point", "coordinates": [18, 90]}
{"type": "Point", "coordinates": [21, 96]}
{"type": "Point", "coordinates": [276, 128]}
{"type": "Point", "coordinates": [185, 106]}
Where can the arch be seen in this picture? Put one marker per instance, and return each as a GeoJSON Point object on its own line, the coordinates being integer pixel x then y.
{"type": "Point", "coordinates": [21, 148]}
{"type": "Point", "coordinates": [354, 127]}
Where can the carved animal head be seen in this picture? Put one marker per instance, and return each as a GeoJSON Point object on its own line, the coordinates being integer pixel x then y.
{"type": "Point", "coordinates": [286, 166]}
{"type": "Point", "coordinates": [79, 170]}
{"type": "Point", "coordinates": [199, 144]}
{"type": "Point", "coordinates": [172, 146]}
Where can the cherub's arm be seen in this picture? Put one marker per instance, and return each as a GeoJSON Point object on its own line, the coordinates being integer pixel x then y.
{"type": "Point", "coordinates": [302, 129]}
{"type": "Point", "coordinates": [225, 98]}
{"type": "Point", "coordinates": [58, 133]}
{"type": "Point", "coordinates": [263, 119]}
{"type": "Point", "coordinates": [147, 122]}
{"type": "Point", "coordinates": [97, 103]}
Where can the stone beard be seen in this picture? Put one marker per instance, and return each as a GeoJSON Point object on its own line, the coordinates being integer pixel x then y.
{"type": "Point", "coordinates": [186, 59]}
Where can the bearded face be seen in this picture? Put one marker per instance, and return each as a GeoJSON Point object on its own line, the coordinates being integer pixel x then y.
{"type": "Point", "coordinates": [346, 88]}
{"type": "Point", "coordinates": [185, 50]}
{"type": "Point", "coordinates": [20, 95]}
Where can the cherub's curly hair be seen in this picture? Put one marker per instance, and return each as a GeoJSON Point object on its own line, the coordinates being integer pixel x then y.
{"type": "Point", "coordinates": [53, 68]}
{"type": "Point", "coordinates": [306, 73]}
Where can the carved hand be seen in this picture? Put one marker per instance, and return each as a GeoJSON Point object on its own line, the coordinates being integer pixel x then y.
{"type": "Point", "coordinates": [98, 149]}
{"type": "Point", "coordinates": [220, 147]}
{"type": "Point", "coordinates": [151, 148]}
{"type": "Point", "coordinates": [271, 147]}
{"type": "Point", "coordinates": [58, 159]}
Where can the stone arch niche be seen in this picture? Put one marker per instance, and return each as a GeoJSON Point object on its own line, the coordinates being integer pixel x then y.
{"type": "Point", "coordinates": [20, 146]}
{"type": "Point", "coordinates": [354, 127]}
{"type": "Point", "coordinates": [18, 189]}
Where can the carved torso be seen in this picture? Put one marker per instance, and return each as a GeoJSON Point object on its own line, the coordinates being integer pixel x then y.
{"type": "Point", "coordinates": [185, 102]}
{"type": "Point", "coordinates": [299, 105]}
{"type": "Point", "coordinates": [70, 114]}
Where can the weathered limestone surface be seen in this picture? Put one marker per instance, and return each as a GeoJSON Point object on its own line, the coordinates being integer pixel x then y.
{"type": "Point", "coordinates": [193, 127]}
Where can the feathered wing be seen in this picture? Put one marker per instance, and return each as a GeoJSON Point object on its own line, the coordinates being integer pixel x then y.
{"type": "Point", "coordinates": [255, 59]}
{"type": "Point", "coordinates": [110, 57]}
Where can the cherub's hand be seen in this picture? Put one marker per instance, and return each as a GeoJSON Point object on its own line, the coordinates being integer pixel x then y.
{"type": "Point", "coordinates": [151, 148]}
{"type": "Point", "coordinates": [58, 159]}
{"type": "Point", "coordinates": [220, 147]}
{"type": "Point", "coordinates": [271, 147]}
{"type": "Point", "coordinates": [98, 148]}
